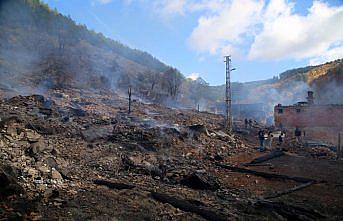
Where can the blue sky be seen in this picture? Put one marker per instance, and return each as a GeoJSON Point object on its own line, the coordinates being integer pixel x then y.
{"type": "Point", "coordinates": [264, 37]}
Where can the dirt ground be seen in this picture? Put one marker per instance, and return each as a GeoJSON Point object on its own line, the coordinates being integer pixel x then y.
{"type": "Point", "coordinates": [55, 149]}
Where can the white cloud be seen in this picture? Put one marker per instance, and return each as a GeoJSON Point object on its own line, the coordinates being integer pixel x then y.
{"type": "Point", "coordinates": [226, 28]}
{"type": "Point", "coordinates": [258, 29]}
{"type": "Point", "coordinates": [329, 55]}
{"type": "Point", "coordinates": [193, 76]}
{"type": "Point", "coordinates": [289, 35]}
{"type": "Point", "coordinates": [267, 30]}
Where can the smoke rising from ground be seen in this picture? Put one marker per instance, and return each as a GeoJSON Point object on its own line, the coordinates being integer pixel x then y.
{"type": "Point", "coordinates": [40, 49]}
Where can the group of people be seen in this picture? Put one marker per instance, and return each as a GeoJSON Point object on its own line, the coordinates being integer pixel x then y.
{"type": "Point", "coordinates": [264, 137]}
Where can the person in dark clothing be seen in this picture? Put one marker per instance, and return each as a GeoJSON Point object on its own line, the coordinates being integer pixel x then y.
{"type": "Point", "coordinates": [261, 138]}
{"type": "Point", "coordinates": [246, 123]}
{"type": "Point", "coordinates": [297, 134]}
{"type": "Point", "coordinates": [281, 138]}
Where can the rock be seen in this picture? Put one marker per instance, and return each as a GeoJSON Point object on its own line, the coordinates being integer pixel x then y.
{"type": "Point", "coordinates": [43, 129]}
{"type": "Point", "coordinates": [78, 112]}
{"type": "Point", "coordinates": [51, 193]}
{"type": "Point", "coordinates": [39, 147]}
{"type": "Point", "coordinates": [36, 147]}
{"type": "Point", "coordinates": [94, 134]}
{"type": "Point", "coordinates": [44, 169]}
{"type": "Point", "coordinates": [12, 131]}
{"type": "Point", "coordinates": [56, 175]}
{"type": "Point", "coordinates": [32, 136]}
{"type": "Point", "coordinates": [32, 172]}
{"type": "Point", "coordinates": [55, 152]}
{"type": "Point", "coordinates": [51, 162]}
{"type": "Point", "coordinates": [9, 138]}
{"type": "Point", "coordinates": [221, 134]}
{"type": "Point", "coordinates": [199, 129]}
{"type": "Point", "coordinates": [45, 111]}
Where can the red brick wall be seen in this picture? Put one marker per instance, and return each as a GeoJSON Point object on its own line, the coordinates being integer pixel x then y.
{"type": "Point", "coordinates": [320, 122]}
{"type": "Point", "coordinates": [309, 116]}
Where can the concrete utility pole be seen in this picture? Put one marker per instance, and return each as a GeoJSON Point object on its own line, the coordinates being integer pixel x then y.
{"type": "Point", "coordinates": [228, 95]}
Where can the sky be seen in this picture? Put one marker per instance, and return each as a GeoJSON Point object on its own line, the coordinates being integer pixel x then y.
{"type": "Point", "coordinates": [264, 37]}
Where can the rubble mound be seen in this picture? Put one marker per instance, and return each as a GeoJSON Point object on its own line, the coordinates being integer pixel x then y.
{"type": "Point", "coordinates": [79, 155]}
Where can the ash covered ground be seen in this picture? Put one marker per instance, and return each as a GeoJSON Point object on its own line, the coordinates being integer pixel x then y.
{"type": "Point", "coordinates": [79, 155]}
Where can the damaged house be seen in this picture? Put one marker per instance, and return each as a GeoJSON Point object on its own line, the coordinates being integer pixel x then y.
{"type": "Point", "coordinates": [316, 121]}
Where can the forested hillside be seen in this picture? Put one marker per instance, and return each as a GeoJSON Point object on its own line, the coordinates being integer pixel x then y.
{"type": "Point", "coordinates": [40, 49]}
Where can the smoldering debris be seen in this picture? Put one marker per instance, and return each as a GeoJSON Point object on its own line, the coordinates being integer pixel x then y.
{"type": "Point", "coordinates": [150, 149]}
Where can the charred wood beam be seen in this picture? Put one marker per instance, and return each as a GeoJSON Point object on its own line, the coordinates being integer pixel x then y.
{"type": "Point", "coordinates": [290, 212]}
{"type": "Point", "coordinates": [185, 205]}
{"type": "Point", "coordinates": [200, 181]}
{"type": "Point", "coordinates": [267, 175]}
{"type": "Point", "coordinates": [189, 207]}
{"type": "Point", "coordinates": [296, 188]}
{"type": "Point", "coordinates": [266, 157]}
{"type": "Point", "coordinates": [113, 185]}
{"type": "Point", "coordinates": [258, 164]}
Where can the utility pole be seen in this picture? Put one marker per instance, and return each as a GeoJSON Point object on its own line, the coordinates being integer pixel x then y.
{"type": "Point", "coordinates": [228, 95]}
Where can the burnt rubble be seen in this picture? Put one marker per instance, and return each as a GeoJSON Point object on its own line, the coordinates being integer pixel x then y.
{"type": "Point", "coordinates": [79, 155]}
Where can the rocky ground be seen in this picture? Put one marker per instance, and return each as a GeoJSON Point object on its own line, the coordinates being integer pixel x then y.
{"type": "Point", "coordinates": [78, 155]}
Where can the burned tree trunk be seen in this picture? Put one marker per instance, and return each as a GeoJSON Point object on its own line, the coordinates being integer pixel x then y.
{"type": "Point", "coordinates": [281, 193]}
{"type": "Point", "coordinates": [271, 155]}
{"type": "Point", "coordinates": [189, 207]}
{"type": "Point", "coordinates": [267, 175]}
{"type": "Point", "coordinates": [130, 94]}
{"type": "Point", "coordinates": [289, 212]}
{"type": "Point", "coordinates": [112, 185]}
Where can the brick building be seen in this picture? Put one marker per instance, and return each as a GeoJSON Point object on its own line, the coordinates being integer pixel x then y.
{"type": "Point", "coordinates": [320, 122]}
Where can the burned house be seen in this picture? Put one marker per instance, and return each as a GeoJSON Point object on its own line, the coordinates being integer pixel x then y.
{"type": "Point", "coordinates": [254, 111]}
{"type": "Point", "coordinates": [318, 122]}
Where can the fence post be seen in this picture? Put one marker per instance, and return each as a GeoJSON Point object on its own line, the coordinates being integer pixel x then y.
{"type": "Point", "coordinates": [339, 145]}
{"type": "Point", "coordinates": [129, 93]}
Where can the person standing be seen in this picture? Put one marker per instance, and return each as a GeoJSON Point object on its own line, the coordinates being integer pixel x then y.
{"type": "Point", "coordinates": [297, 134]}
{"type": "Point", "coordinates": [270, 137]}
{"type": "Point", "coordinates": [261, 138]}
{"type": "Point", "coordinates": [250, 123]}
{"type": "Point", "coordinates": [281, 138]}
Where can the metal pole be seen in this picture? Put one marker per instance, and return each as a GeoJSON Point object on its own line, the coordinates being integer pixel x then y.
{"type": "Point", "coordinates": [228, 100]}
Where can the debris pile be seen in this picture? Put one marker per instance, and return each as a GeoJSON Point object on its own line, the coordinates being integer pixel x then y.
{"type": "Point", "coordinates": [75, 153]}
